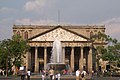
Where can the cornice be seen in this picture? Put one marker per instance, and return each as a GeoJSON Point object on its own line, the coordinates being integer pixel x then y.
{"type": "Point", "coordinates": [53, 26]}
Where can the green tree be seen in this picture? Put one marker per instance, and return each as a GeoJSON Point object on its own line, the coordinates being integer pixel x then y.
{"type": "Point", "coordinates": [110, 52]}
{"type": "Point", "coordinates": [5, 56]}
{"type": "Point", "coordinates": [12, 52]}
{"type": "Point", "coordinates": [18, 48]}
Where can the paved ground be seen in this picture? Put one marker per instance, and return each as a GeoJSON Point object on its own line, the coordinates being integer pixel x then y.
{"type": "Point", "coordinates": [62, 78]}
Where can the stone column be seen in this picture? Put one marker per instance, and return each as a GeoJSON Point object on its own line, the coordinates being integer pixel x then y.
{"type": "Point", "coordinates": [63, 52]}
{"type": "Point", "coordinates": [36, 60]}
{"type": "Point", "coordinates": [45, 57]}
{"type": "Point", "coordinates": [72, 59]}
{"type": "Point", "coordinates": [90, 60]}
{"type": "Point", "coordinates": [28, 60]}
{"type": "Point", "coordinates": [81, 59]}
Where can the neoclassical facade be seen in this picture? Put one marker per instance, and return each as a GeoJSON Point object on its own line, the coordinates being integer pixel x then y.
{"type": "Point", "coordinates": [78, 48]}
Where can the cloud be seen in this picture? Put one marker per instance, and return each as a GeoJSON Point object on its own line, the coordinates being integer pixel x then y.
{"type": "Point", "coordinates": [39, 22]}
{"type": "Point", "coordinates": [112, 21]}
{"type": "Point", "coordinates": [34, 5]}
{"type": "Point", "coordinates": [113, 27]}
{"type": "Point", "coordinates": [6, 10]}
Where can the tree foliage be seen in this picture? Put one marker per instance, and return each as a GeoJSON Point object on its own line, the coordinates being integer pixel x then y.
{"type": "Point", "coordinates": [110, 52]}
{"type": "Point", "coordinates": [4, 52]}
{"type": "Point", "coordinates": [18, 49]}
{"type": "Point", "coordinates": [13, 50]}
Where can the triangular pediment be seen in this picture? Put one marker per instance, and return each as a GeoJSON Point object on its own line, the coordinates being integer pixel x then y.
{"type": "Point", "coordinates": [60, 34]}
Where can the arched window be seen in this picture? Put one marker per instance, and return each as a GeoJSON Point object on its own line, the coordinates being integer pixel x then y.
{"type": "Point", "coordinates": [91, 34]}
{"type": "Point", "coordinates": [18, 33]}
{"type": "Point", "coordinates": [26, 35]}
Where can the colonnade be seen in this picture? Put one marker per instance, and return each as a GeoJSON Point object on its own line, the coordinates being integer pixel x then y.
{"type": "Point", "coordinates": [72, 59]}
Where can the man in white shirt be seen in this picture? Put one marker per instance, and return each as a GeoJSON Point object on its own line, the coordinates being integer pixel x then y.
{"type": "Point", "coordinates": [28, 74]}
{"type": "Point", "coordinates": [77, 74]}
{"type": "Point", "coordinates": [58, 76]}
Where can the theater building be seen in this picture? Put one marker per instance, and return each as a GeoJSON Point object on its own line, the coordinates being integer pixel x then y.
{"type": "Point", "coordinates": [78, 48]}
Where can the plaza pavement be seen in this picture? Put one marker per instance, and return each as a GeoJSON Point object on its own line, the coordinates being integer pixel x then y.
{"type": "Point", "coordinates": [70, 77]}
{"type": "Point", "coordinates": [66, 77]}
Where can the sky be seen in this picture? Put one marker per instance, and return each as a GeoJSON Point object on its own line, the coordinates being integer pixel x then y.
{"type": "Point", "coordinates": [74, 12]}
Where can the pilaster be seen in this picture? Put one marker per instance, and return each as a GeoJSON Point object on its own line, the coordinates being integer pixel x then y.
{"type": "Point", "coordinates": [28, 60]}
{"type": "Point", "coordinates": [22, 31]}
{"type": "Point", "coordinates": [30, 35]}
{"type": "Point", "coordinates": [63, 52]}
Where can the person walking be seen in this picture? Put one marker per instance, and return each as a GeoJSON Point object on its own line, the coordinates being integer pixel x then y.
{"type": "Point", "coordinates": [83, 75]}
{"type": "Point", "coordinates": [28, 74]}
{"type": "Point", "coordinates": [92, 75]}
{"type": "Point", "coordinates": [58, 76]}
{"type": "Point", "coordinates": [77, 74]}
{"type": "Point", "coordinates": [43, 75]}
{"type": "Point", "coordinates": [22, 72]}
{"type": "Point", "coordinates": [51, 71]}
